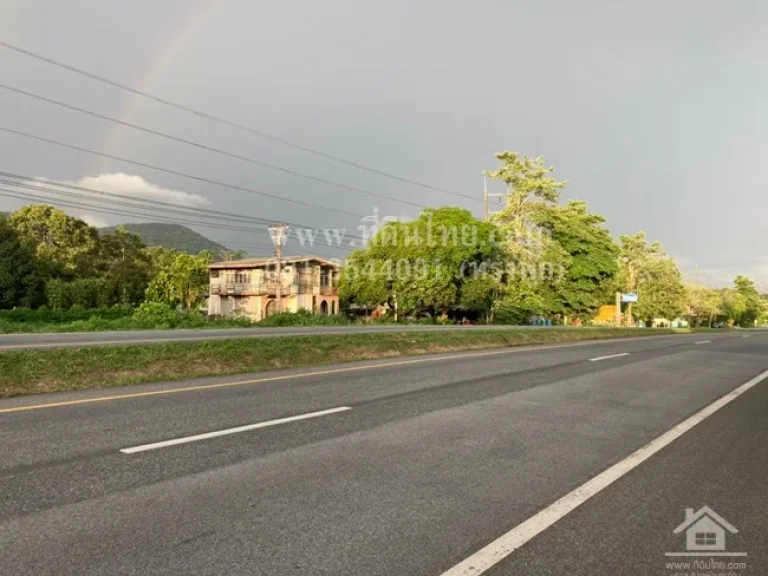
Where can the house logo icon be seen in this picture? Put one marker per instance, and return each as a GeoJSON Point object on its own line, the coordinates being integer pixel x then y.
{"type": "Point", "coordinates": [705, 534]}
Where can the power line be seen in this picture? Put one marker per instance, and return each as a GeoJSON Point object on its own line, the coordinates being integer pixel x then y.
{"type": "Point", "coordinates": [24, 196]}
{"type": "Point", "coordinates": [128, 202]}
{"type": "Point", "coordinates": [206, 147]}
{"type": "Point", "coordinates": [229, 123]}
{"type": "Point", "coordinates": [47, 186]}
{"type": "Point", "coordinates": [84, 206]}
{"type": "Point", "coordinates": [176, 172]}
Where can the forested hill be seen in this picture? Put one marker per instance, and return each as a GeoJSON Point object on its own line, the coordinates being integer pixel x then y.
{"type": "Point", "coordinates": [173, 236]}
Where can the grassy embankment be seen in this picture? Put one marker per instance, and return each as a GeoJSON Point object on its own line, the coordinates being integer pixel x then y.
{"type": "Point", "coordinates": [50, 370]}
{"type": "Point", "coordinates": [125, 318]}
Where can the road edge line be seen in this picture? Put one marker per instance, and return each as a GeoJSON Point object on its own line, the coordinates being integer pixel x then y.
{"type": "Point", "coordinates": [502, 547]}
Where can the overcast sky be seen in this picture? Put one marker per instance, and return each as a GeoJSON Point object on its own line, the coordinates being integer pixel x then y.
{"type": "Point", "coordinates": [655, 111]}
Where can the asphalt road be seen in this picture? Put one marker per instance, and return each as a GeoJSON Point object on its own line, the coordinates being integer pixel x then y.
{"type": "Point", "coordinates": [80, 339]}
{"type": "Point", "coordinates": [397, 468]}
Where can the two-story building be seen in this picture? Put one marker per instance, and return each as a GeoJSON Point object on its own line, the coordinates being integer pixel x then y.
{"type": "Point", "coordinates": [249, 287]}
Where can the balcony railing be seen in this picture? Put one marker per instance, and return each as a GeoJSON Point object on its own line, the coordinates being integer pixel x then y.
{"type": "Point", "coordinates": [270, 288]}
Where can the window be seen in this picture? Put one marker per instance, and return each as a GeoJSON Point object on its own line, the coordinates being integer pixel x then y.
{"type": "Point", "coordinates": [706, 539]}
{"type": "Point", "coordinates": [242, 277]}
{"type": "Point", "coordinates": [214, 273]}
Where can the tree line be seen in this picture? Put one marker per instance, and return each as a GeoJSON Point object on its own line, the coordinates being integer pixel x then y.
{"type": "Point", "coordinates": [48, 258]}
{"type": "Point", "coordinates": [536, 258]}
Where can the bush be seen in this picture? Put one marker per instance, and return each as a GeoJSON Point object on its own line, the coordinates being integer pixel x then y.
{"type": "Point", "coordinates": [156, 314]}
{"type": "Point", "coordinates": [303, 317]}
{"type": "Point", "coordinates": [83, 292]}
{"type": "Point", "coordinates": [45, 315]}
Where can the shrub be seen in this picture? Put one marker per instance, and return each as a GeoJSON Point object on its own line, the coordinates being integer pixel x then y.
{"type": "Point", "coordinates": [45, 315]}
{"type": "Point", "coordinates": [156, 314]}
{"type": "Point", "coordinates": [303, 317]}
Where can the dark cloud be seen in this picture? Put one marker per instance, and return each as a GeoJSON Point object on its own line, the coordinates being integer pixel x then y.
{"type": "Point", "coordinates": [654, 111]}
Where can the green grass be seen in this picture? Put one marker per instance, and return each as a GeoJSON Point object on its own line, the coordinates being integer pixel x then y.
{"type": "Point", "coordinates": [50, 370]}
{"type": "Point", "coordinates": [98, 323]}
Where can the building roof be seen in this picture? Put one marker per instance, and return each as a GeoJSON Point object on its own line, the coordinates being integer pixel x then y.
{"type": "Point", "coordinates": [271, 260]}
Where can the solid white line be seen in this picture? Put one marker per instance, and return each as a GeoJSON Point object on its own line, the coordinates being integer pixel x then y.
{"type": "Point", "coordinates": [499, 549]}
{"type": "Point", "coordinates": [228, 431]}
{"type": "Point", "coordinates": [703, 341]}
{"type": "Point", "coordinates": [608, 357]}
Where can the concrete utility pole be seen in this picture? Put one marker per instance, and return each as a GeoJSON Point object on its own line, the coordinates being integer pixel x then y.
{"type": "Point", "coordinates": [487, 197]}
{"type": "Point", "coordinates": [278, 233]}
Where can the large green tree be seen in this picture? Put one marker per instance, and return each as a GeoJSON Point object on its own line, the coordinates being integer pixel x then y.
{"type": "Point", "coordinates": [646, 269]}
{"type": "Point", "coordinates": [530, 184]}
{"type": "Point", "coordinates": [125, 267]}
{"type": "Point", "coordinates": [178, 279]}
{"type": "Point", "coordinates": [21, 279]}
{"type": "Point", "coordinates": [422, 265]}
{"type": "Point", "coordinates": [591, 262]}
{"type": "Point", "coordinates": [661, 291]}
{"type": "Point", "coordinates": [533, 258]}
{"type": "Point", "coordinates": [753, 304]}
{"type": "Point", "coordinates": [66, 245]}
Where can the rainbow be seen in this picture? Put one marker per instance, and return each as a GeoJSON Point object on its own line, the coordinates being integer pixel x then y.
{"type": "Point", "coordinates": [159, 66]}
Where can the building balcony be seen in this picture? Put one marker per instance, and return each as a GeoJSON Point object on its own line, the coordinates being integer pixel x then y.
{"type": "Point", "coordinates": [270, 289]}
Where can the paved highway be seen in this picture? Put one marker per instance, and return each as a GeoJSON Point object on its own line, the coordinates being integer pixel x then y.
{"type": "Point", "coordinates": [80, 339]}
{"type": "Point", "coordinates": [573, 459]}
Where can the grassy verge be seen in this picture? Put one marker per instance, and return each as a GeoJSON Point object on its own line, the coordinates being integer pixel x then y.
{"type": "Point", "coordinates": [96, 324]}
{"type": "Point", "coordinates": [51, 370]}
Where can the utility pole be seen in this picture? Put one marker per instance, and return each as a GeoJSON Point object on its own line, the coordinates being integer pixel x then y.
{"type": "Point", "coordinates": [278, 233]}
{"type": "Point", "coordinates": [487, 197]}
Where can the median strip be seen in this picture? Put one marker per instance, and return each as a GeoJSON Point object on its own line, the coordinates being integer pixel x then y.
{"type": "Point", "coordinates": [228, 431]}
{"type": "Point", "coordinates": [66, 369]}
{"type": "Point", "coordinates": [608, 357]}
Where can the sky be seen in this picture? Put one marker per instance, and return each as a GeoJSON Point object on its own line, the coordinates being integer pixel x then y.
{"type": "Point", "coordinates": [656, 112]}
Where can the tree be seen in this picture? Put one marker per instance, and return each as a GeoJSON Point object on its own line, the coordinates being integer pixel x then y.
{"type": "Point", "coordinates": [358, 286]}
{"type": "Point", "coordinates": [531, 253]}
{"type": "Point", "coordinates": [646, 269]}
{"type": "Point", "coordinates": [704, 305]}
{"type": "Point", "coordinates": [661, 291]}
{"type": "Point", "coordinates": [480, 293]}
{"type": "Point", "coordinates": [21, 280]}
{"type": "Point", "coordinates": [753, 304]}
{"type": "Point", "coordinates": [591, 262]}
{"type": "Point", "coordinates": [733, 306]}
{"type": "Point", "coordinates": [421, 265]}
{"type": "Point", "coordinates": [178, 279]}
{"type": "Point", "coordinates": [124, 265]}
{"type": "Point", "coordinates": [530, 185]}
{"type": "Point", "coordinates": [65, 244]}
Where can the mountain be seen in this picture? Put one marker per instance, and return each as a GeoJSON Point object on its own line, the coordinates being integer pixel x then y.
{"type": "Point", "coordinates": [173, 236]}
